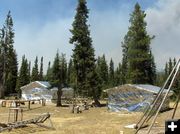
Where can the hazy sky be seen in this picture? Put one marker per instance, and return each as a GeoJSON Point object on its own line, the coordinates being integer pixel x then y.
{"type": "Point", "coordinates": [42, 26]}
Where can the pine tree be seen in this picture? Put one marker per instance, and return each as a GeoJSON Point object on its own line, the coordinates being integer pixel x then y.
{"type": "Point", "coordinates": [170, 66]}
{"type": "Point", "coordinates": [12, 73]}
{"type": "Point", "coordinates": [23, 77]}
{"type": "Point", "coordinates": [139, 57]}
{"type": "Point", "coordinates": [174, 62]}
{"type": "Point", "coordinates": [166, 71]}
{"type": "Point", "coordinates": [10, 56]}
{"type": "Point", "coordinates": [63, 69]}
{"type": "Point", "coordinates": [69, 71]}
{"type": "Point", "coordinates": [160, 79]}
{"type": "Point", "coordinates": [41, 70]}
{"type": "Point", "coordinates": [176, 84]}
{"type": "Point", "coordinates": [125, 58]}
{"type": "Point", "coordinates": [83, 53]}
{"type": "Point", "coordinates": [151, 70]}
{"type": "Point", "coordinates": [58, 75]}
{"type": "Point", "coordinates": [71, 74]}
{"type": "Point", "coordinates": [56, 78]}
{"type": "Point", "coordinates": [118, 76]}
{"type": "Point", "coordinates": [104, 71]}
{"type": "Point", "coordinates": [35, 72]}
{"type": "Point", "coordinates": [29, 72]}
{"type": "Point", "coordinates": [111, 73]}
{"type": "Point", "coordinates": [49, 72]}
{"type": "Point", "coordinates": [1, 66]}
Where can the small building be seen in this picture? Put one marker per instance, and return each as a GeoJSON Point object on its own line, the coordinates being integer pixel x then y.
{"type": "Point", "coordinates": [41, 90]}
{"type": "Point", "coordinates": [36, 90]}
{"type": "Point", "coordinates": [134, 97]}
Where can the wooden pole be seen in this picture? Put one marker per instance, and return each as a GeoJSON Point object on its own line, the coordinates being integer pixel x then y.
{"type": "Point", "coordinates": [176, 105]}
{"type": "Point", "coordinates": [29, 103]}
{"type": "Point", "coordinates": [172, 81]}
{"type": "Point", "coordinates": [148, 111]}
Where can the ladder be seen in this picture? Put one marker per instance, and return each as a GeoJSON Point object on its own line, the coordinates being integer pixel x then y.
{"type": "Point", "coordinates": [37, 121]}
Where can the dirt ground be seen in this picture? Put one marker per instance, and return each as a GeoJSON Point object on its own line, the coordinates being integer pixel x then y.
{"type": "Point", "coordinates": [92, 121]}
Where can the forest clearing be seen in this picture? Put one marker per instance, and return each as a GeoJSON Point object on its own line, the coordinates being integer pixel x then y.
{"type": "Point", "coordinates": [92, 121]}
{"type": "Point", "coordinates": [89, 67]}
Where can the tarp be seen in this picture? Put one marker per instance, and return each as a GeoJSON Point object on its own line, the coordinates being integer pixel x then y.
{"type": "Point", "coordinates": [36, 97]}
{"type": "Point", "coordinates": [37, 93]}
{"type": "Point", "coordinates": [131, 97]}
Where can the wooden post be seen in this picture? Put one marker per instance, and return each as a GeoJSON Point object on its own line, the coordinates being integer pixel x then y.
{"type": "Point", "coordinates": [16, 115]}
{"type": "Point", "coordinates": [43, 102]}
{"type": "Point", "coordinates": [9, 115]}
{"type": "Point", "coordinates": [21, 110]}
{"type": "Point", "coordinates": [29, 103]}
{"type": "Point", "coordinates": [3, 104]}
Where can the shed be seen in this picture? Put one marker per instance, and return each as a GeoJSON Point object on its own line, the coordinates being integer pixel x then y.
{"type": "Point", "coordinates": [133, 97]}
{"type": "Point", "coordinates": [36, 90]}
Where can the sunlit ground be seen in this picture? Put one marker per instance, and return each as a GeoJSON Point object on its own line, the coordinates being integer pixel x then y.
{"type": "Point", "coordinates": [92, 121]}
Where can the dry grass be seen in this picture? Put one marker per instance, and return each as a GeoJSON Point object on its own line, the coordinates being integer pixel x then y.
{"type": "Point", "coordinates": [92, 121]}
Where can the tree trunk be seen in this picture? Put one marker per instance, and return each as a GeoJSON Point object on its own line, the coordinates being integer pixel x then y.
{"type": "Point", "coordinates": [96, 102]}
{"type": "Point", "coordinates": [19, 93]}
{"type": "Point", "coordinates": [1, 91]}
{"type": "Point", "coordinates": [59, 94]}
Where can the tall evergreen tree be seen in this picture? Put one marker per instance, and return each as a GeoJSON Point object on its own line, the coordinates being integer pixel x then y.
{"type": "Point", "coordinates": [41, 70]}
{"type": "Point", "coordinates": [29, 72]}
{"type": "Point", "coordinates": [12, 73]}
{"type": "Point", "coordinates": [1, 65]}
{"type": "Point", "coordinates": [83, 53]}
{"type": "Point", "coordinates": [69, 71]}
{"type": "Point", "coordinates": [170, 66]}
{"type": "Point", "coordinates": [1, 78]}
{"type": "Point", "coordinates": [11, 64]}
{"type": "Point", "coordinates": [151, 70]}
{"type": "Point", "coordinates": [111, 73]}
{"type": "Point", "coordinates": [119, 76]}
{"type": "Point", "coordinates": [174, 62]}
{"type": "Point", "coordinates": [71, 74]}
{"type": "Point", "coordinates": [166, 70]}
{"type": "Point", "coordinates": [139, 57]}
{"type": "Point", "coordinates": [49, 72]}
{"type": "Point", "coordinates": [23, 77]}
{"type": "Point", "coordinates": [160, 79]}
{"type": "Point", "coordinates": [56, 80]}
{"type": "Point", "coordinates": [125, 58]}
{"type": "Point", "coordinates": [35, 72]}
{"type": "Point", "coordinates": [63, 69]}
{"type": "Point", "coordinates": [103, 70]}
